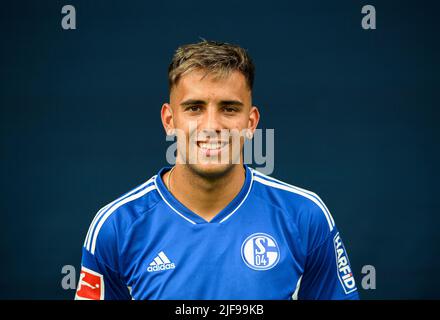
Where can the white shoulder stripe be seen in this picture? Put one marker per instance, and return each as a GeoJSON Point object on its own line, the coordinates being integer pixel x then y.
{"type": "Point", "coordinates": [292, 190]}
{"type": "Point", "coordinates": [102, 211]}
{"type": "Point", "coordinates": [297, 188]}
{"type": "Point", "coordinates": [98, 214]}
{"type": "Point", "coordinates": [109, 212]}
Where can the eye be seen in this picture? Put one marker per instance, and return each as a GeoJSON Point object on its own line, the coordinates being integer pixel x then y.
{"type": "Point", "coordinates": [229, 109]}
{"type": "Point", "coordinates": [194, 108]}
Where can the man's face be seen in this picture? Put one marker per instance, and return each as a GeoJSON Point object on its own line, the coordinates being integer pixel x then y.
{"type": "Point", "coordinates": [210, 115]}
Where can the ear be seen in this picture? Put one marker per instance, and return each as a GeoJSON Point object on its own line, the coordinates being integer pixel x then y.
{"type": "Point", "coordinates": [254, 118]}
{"type": "Point", "coordinates": [166, 115]}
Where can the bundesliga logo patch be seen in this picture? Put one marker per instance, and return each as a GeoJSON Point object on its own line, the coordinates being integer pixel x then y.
{"type": "Point", "coordinates": [345, 274]}
{"type": "Point", "coordinates": [91, 285]}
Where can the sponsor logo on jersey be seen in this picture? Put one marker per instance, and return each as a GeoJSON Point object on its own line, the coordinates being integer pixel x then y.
{"type": "Point", "coordinates": [160, 263]}
{"type": "Point", "coordinates": [260, 251]}
{"type": "Point", "coordinates": [345, 274]}
{"type": "Point", "coordinates": [91, 285]}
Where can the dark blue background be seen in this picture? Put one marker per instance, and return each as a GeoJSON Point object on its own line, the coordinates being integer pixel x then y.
{"type": "Point", "coordinates": [355, 115]}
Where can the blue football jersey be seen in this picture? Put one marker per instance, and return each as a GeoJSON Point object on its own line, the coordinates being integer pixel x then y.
{"type": "Point", "coordinates": [272, 241]}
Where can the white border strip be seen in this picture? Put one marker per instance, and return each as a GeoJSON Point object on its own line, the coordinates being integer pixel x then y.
{"type": "Point", "coordinates": [169, 205]}
{"type": "Point", "coordinates": [242, 201]}
{"type": "Point", "coordinates": [298, 285]}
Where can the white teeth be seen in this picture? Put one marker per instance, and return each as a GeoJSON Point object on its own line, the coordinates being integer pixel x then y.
{"type": "Point", "coordinates": [212, 145]}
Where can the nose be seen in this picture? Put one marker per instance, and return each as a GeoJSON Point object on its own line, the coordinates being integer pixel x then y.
{"type": "Point", "coordinates": [212, 121]}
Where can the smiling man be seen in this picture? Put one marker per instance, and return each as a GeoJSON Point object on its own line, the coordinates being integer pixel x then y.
{"type": "Point", "coordinates": [211, 227]}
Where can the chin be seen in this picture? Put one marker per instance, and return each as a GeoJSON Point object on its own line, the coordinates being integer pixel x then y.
{"type": "Point", "coordinates": [211, 171]}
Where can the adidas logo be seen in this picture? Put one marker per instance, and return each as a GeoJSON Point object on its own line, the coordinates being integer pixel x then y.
{"type": "Point", "coordinates": [160, 263]}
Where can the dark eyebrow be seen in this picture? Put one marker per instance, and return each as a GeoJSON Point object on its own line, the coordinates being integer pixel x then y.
{"type": "Point", "coordinates": [191, 102]}
{"type": "Point", "coordinates": [231, 102]}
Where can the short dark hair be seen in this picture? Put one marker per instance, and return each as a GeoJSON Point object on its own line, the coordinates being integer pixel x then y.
{"type": "Point", "coordinates": [212, 57]}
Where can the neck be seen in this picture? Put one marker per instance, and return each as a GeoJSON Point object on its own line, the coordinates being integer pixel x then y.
{"type": "Point", "coordinates": [203, 195]}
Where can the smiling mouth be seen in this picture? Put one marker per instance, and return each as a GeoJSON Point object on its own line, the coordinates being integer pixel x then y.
{"type": "Point", "coordinates": [212, 145]}
{"type": "Point", "coordinates": [212, 148]}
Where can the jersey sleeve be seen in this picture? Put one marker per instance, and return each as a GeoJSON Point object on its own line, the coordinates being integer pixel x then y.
{"type": "Point", "coordinates": [327, 273]}
{"type": "Point", "coordinates": [100, 278]}
{"type": "Point", "coordinates": [98, 281]}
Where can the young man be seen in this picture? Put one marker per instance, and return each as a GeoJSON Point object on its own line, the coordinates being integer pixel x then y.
{"type": "Point", "coordinates": [210, 229]}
